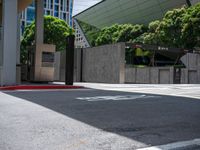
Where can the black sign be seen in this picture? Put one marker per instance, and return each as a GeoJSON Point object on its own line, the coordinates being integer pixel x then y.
{"type": "Point", "coordinates": [47, 57]}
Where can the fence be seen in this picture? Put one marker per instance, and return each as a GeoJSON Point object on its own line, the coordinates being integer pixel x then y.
{"type": "Point", "coordinates": [150, 75]}
{"type": "Point", "coordinates": [190, 76]}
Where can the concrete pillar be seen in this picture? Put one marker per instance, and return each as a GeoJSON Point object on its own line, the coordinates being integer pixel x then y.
{"type": "Point", "coordinates": [8, 75]}
{"type": "Point", "coordinates": [1, 37]}
{"type": "Point", "coordinates": [39, 36]}
{"type": "Point", "coordinates": [18, 38]}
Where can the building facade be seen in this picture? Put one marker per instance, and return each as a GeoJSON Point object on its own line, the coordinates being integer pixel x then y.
{"type": "Point", "coordinates": [58, 8]}
{"type": "Point", "coordinates": [80, 38]}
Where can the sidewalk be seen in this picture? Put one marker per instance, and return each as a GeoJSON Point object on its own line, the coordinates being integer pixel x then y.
{"type": "Point", "coordinates": [182, 90]}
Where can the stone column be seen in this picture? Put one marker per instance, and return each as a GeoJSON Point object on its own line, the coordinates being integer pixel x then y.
{"type": "Point", "coordinates": [39, 36]}
{"type": "Point", "coordinates": [8, 75]}
{"type": "Point", "coordinates": [18, 38]}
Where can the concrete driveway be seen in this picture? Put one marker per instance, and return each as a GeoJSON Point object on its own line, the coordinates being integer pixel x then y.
{"type": "Point", "coordinates": [89, 119]}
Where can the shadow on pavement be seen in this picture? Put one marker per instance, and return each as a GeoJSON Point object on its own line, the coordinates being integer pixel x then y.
{"type": "Point", "coordinates": [154, 120]}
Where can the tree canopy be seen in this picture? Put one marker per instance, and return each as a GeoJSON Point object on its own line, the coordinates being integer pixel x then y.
{"type": "Point", "coordinates": [119, 33]}
{"type": "Point", "coordinates": [55, 32]}
{"type": "Point", "coordinates": [178, 28]}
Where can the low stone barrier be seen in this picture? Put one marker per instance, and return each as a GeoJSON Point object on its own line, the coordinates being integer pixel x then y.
{"type": "Point", "coordinates": [190, 76]}
{"type": "Point", "coordinates": [191, 61]}
{"type": "Point", "coordinates": [150, 75]}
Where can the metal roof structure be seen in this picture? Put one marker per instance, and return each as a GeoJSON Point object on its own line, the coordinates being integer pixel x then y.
{"type": "Point", "coordinates": [109, 12]}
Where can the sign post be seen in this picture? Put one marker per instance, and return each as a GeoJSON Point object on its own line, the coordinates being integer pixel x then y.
{"type": "Point", "coordinates": [69, 66]}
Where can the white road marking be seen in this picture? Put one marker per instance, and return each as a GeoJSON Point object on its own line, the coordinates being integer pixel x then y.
{"type": "Point", "coordinates": [174, 145]}
{"type": "Point", "coordinates": [115, 98]}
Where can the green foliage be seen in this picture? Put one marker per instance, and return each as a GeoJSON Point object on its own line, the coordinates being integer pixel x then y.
{"type": "Point", "coordinates": [119, 33]}
{"type": "Point", "coordinates": [55, 32]}
{"type": "Point", "coordinates": [179, 28]}
{"type": "Point", "coordinates": [170, 28]}
{"type": "Point", "coordinates": [191, 27]}
{"type": "Point", "coordinates": [130, 32]}
{"type": "Point", "coordinates": [108, 35]}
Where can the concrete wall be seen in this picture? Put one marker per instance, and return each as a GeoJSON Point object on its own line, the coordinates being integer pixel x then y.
{"type": "Point", "coordinates": [105, 64]}
{"type": "Point", "coordinates": [1, 46]}
{"type": "Point", "coordinates": [149, 75]}
{"type": "Point", "coordinates": [191, 61]}
{"type": "Point", "coordinates": [59, 74]}
{"type": "Point", "coordinates": [18, 75]}
{"type": "Point", "coordinates": [190, 76]}
{"type": "Point", "coordinates": [77, 65]}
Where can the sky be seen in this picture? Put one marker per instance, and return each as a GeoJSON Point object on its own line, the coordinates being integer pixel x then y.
{"type": "Point", "coordinates": [80, 5]}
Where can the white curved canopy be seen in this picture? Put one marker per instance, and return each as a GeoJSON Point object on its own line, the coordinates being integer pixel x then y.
{"type": "Point", "coordinates": [109, 12]}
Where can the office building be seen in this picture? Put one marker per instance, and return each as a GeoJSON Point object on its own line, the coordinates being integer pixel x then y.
{"type": "Point", "coordinates": [58, 8]}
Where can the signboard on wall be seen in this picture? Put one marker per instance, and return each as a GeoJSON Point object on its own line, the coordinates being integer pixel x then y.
{"type": "Point", "coordinates": [47, 59]}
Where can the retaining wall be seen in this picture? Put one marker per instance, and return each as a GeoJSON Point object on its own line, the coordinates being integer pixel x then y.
{"type": "Point", "coordinates": [190, 76]}
{"type": "Point", "coordinates": [149, 75]}
{"type": "Point", "coordinates": [191, 61]}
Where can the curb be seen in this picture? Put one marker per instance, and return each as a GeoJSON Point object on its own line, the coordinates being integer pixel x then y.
{"type": "Point", "coordinates": [38, 87]}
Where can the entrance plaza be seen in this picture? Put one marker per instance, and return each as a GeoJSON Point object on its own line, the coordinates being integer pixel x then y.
{"type": "Point", "coordinates": [95, 116]}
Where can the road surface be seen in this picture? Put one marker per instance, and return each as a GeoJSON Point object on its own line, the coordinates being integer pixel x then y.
{"type": "Point", "coordinates": [89, 119]}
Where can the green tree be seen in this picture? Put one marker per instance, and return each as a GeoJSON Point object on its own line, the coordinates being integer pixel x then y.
{"type": "Point", "coordinates": [130, 32]}
{"type": "Point", "coordinates": [119, 33]}
{"type": "Point", "coordinates": [55, 32]}
{"type": "Point", "coordinates": [108, 35]}
{"type": "Point", "coordinates": [191, 27]}
{"type": "Point", "coordinates": [170, 28]}
{"type": "Point", "coordinates": [152, 36]}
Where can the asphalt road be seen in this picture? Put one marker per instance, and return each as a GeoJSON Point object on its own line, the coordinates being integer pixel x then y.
{"type": "Point", "coordinates": [94, 120]}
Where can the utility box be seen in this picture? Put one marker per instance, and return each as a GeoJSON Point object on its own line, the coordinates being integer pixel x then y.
{"type": "Point", "coordinates": [41, 63]}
